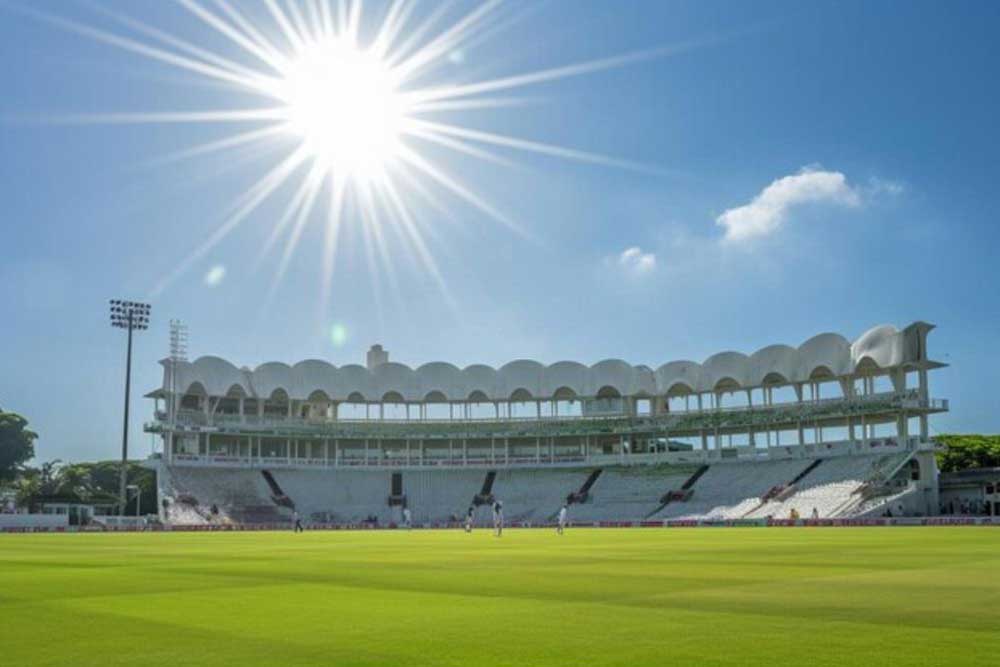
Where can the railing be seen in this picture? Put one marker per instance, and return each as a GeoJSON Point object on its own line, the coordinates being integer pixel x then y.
{"type": "Point", "coordinates": [565, 459]}
{"type": "Point", "coordinates": [673, 422]}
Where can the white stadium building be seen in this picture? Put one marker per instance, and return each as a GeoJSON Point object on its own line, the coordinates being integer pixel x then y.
{"type": "Point", "coordinates": [832, 428]}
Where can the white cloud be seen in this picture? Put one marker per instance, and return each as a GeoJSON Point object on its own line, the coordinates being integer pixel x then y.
{"type": "Point", "coordinates": [634, 260]}
{"type": "Point", "coordinates": [215, 275]}
{"type": "Point", "coordinates": [770, 209]}
{"type": "Point", "coordinates": [880, 186]}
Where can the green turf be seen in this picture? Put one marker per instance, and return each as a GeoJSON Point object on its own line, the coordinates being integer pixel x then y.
{"type": "Point", "coordinates": [742, 596]}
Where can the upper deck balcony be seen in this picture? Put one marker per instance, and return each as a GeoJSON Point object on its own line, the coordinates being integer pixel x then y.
{"type": "Point", "coordinates": [677, 422]}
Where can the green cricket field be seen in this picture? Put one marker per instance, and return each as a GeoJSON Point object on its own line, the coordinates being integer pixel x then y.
{"type": "Point", "coordinates": [594, 597]}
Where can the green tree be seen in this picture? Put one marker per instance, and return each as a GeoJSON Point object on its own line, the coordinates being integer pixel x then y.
{"type": "Point", "coordinates": [26, 490]}
{"type": "Point", "coordinates": [17, 444]}
{"type": "Point", "coordinates": [963, 452]}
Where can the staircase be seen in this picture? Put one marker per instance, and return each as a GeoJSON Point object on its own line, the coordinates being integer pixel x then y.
{"type": "Point", "coordinates": [812, 466]}
{"type": "Point", "coordinates": [583, 493]}
{"type": "Point", "coordinates": [277, 495]}
{"type": "Point", "coordinates": [485, 495]}
{"type": "Point", "coordinates": [683, 494]}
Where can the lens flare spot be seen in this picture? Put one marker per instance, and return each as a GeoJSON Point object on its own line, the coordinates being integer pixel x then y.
{"type": "Point", "coordinates": [338, 335]}
{"type": "Point", "coordinates": [215, 275]}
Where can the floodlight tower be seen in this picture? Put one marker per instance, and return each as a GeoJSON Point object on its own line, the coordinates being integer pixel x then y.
{"type": "Point", "coordinates": [178, 353]}
{"type": "Point", "coordinates": [133, 316]}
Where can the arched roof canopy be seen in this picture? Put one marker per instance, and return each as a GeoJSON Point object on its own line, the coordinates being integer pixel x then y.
{"type": "Point", "coordinates": [353, 379]}
{"type": "Point", "coordinates": [435, 397]}
{"type": "Point", "coordinates": [393, 397]}
{"type": "Point", "coordinates": [827, 349]}
{"type": "Point", "coordinates": [478, 396]}
{"type": "Point", "coordinates": [356, 397]}
{"type": "Point", "coordinates": [611, 373]}
{"type": "Point", "coordinates": [215, 374]}
{"type": "Point", "coordinates": [278, 395]}
{"type": "Point", "coordinates": [521, 395]}
{"type": "Point", "coordinates": [318, 396]}
{"type": "Point", "coordinates": [867, 366]}
{"type": "Point", "coordinates": [521, 374]}
{"type": "Point", "coordinates": [482, 379]}
{"type": "Point", "coordinates": [731, 366]}
{"type": "Point", "coordinates": [564, 394]}
{"type": "Point", "coordinates": [312, 375]}
{"type": "Point", "coordinates": [821, 374]}
{"type": "Point", "coordinates": [685, 373]}
{"type": "Point", "coordinates": [726, 385]}
{"type": "Point", "coordinates": [883, 344]}
{"type": "Point", "coordinates": [564, 375]}
{"type": "Point", "coordinates": [643, 382]}
{"type": "Point", "coordinates": [195, 389]}
{"type": "Point", "coordinates": [679, 389]}
{"type": "Point", "coordinates": [396, 378]}
{"type": "Point", "coordinates": [270, 376]}
{"type": "Point", "coordinates": [773, 379]}
{"type": "Point", "coordinates": [774, 360]}
{"type": "Point", "coordinates": [607, 391]}
{"type": "Point", "coordinates": [236, 391]}
{"type": "Point", "coordinates": [441, 378]}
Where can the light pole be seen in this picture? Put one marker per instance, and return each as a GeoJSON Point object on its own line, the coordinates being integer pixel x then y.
{"type": "Point", "coordinates": [137, 494]}
{"type": "Point", "coordinates": [130, 315]}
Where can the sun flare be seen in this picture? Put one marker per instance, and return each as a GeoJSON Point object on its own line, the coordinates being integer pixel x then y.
{"type": "Point", "coordinates": [370, 107]}
{"type": "Point", "coordinates": [344, 103]}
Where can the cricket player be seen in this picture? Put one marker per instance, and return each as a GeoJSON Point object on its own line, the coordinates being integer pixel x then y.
{"type": "Point", "coordinates": [498, 517]}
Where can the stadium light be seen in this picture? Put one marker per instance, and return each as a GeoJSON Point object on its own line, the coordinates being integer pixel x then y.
{"type": "Point", "coordinates": [133, 316]}
{"type": "Point", "coordinates": [137, 494]}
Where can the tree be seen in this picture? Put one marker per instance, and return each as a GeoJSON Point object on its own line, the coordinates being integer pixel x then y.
{"type": "Point", "coordinates": [17, 444]}
{"type": "Point", "coordinates": [26, 489]}
{"type": "Point", "coordinates": [963, 452]}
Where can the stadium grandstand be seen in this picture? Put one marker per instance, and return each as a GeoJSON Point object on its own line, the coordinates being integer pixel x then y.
{"type": "Point", "coordinates": [830, 429]}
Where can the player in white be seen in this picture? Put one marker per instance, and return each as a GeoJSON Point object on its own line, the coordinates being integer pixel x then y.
{"type": "Point", "coordinates": [407, 518]}
{"type": "Point", "coordinates": [562, 520]}
{"type": "Point", "coordinates": [468, 519]}
{"type": "Point", "coordinates": [498, 517]}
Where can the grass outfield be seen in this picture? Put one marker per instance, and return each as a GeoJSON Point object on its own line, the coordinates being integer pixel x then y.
{"type": "Point", "coordinates": [717, 596]}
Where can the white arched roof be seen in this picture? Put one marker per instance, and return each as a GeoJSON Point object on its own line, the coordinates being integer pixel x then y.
{"type": "Point", "coordinates": [883, 346]}
{"type": "Point", "coordinates": [313, 375]}
{"type": "Point", "coordinates": [440, 377]}
{"type": "Point", "coordinates": [725, 366]}
{"type": "Point", "coordinates": [478, 378]}
{"type": "Point", "coordinates": [828, 350]}
{"type": "Point", "coordinates": [569, 374]}
{"type": "Point", "coordinates": [774, 360]}
{"type": "Point", "coordinates": [684, 375]}
{"type": "Point", "coordinates": [272, 376]}
{"type": "Point", "coordinates": [523, 374]}
{"type": "Point", "coordinates": [610, 373]}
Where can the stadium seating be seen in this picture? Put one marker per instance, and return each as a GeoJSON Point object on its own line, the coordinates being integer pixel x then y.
{"type": "Point", "coordinates": [836, 486]}
{"type": "Point", "coordinates": [629, 493]}
{"type": "Point", "coordinates": [832, 487]}
{"type": "Point", "coordinates": [730, 490]}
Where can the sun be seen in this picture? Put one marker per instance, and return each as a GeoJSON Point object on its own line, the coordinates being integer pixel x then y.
{"type": "Point", "coordinates": [345, 105]}
{"type": "Point", "coordinates": [362, 116]}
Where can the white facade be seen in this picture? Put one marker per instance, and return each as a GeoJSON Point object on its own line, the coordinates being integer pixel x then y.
{"type": "Point", "coordinates": [881, 350]}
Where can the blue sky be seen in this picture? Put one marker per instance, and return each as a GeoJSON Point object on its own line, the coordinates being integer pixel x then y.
{"type": "Point", "coordinates": [851, 148]}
